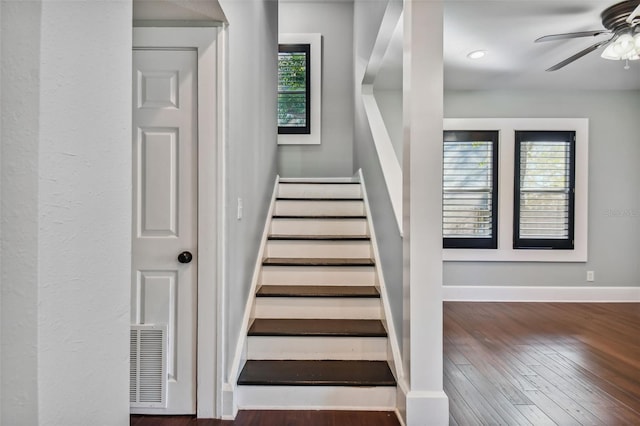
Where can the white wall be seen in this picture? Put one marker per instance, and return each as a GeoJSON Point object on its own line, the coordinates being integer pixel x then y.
{"type": "Point", "coordinates": [614, 200]}
{"type": "Point", "coordinates": [250, 150]}
{"type": "Point", "coordinates": [66, 208]}
{"type": "Point", "coordinates": [334, 156]}
{"type": "Point", "coordinates": [367, 18]}
{"type": "Point", "coordinates": [20, 87]}
{"type": "Point", "coordinates": [390, 104]}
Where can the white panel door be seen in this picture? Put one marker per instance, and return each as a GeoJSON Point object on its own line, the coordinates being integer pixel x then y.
{"type": "Point", "coordinates": [164, 280]}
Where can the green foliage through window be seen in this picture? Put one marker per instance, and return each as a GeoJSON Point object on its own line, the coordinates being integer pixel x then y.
{"type": "Point", "coordinates": [294, 88]}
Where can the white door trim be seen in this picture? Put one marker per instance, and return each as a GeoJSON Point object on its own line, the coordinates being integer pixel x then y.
{"type": "Point", "coordinates": [210, 195]}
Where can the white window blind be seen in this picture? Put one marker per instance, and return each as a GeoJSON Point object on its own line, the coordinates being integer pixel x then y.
{"type": "Point", "coordinates": [545, 190]}
{"type": "Point", "coordinates": [469, 189]}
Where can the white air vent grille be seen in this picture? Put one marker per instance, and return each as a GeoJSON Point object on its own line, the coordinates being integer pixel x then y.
{"type": "Point", "coordinates": [148, 374]}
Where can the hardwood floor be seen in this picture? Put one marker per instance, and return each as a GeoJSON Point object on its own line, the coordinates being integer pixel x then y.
{"type": "Point", "coordinates": [512, 364]}
{"type": "Point", "coordinates": [279, 418]}
{"type": "Point", "coordinates": [542, 363]}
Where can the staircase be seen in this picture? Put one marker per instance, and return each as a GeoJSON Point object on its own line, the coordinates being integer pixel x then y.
{"type": "Point", "coordinates": [317, 338]}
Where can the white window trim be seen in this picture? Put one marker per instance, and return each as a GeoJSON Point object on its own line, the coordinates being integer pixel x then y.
{"type": "Point", "coordinates": [506, 151]}
{"type": "Point", "coordinates": [315, 137]}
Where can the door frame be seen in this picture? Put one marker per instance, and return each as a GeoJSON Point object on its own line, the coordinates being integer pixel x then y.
{"type": "Point", "coordinates": [210, 153]}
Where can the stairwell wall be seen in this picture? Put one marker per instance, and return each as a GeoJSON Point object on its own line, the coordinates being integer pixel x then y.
{"type": "Point", "coordinates": [250, 150]}
{"type": "Point", "coordinates": [367, 18]}
{"type": "Point", "coordinates": [334, 156]}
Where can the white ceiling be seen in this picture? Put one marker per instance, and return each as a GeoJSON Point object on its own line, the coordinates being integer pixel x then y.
{"type": "Point", "coordinates": [506, 29]}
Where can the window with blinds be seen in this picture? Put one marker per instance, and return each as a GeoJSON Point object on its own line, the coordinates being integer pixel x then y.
{"type": "Point", "coordinates": [544, 191]}
{"type": "Point", "coordinates": [294, 89]}
{"type": "Point", "coordinates": [470, 189]}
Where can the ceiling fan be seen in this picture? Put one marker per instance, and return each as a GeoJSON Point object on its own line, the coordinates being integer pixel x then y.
{"type": "Point", "coordinates": [621, 21]}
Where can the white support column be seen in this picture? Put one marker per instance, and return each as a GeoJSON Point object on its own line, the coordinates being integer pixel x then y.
{"type": "Point", "coordinates": [426, 402]}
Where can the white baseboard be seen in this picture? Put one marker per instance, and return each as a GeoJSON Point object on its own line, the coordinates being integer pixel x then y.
{"type": "Point", "coordinates": [540, 294]}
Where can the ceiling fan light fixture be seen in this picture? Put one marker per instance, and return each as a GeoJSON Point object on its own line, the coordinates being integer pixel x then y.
{"type": "Point", "coordinates": [624, 47]}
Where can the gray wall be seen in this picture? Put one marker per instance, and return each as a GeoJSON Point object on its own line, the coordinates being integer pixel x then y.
{"type": "Point", "coordinates": [334, 156]}
{"type": "Point", "coordinates": [251, 149]}
{"type": "Point", "coordinates": [367, 18]}
{"type": "Point", "coordinates": [614, 175]}
{"type": "Point", "coordinates": [390, 105]}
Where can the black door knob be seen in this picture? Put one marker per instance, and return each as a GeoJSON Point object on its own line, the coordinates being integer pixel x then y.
{"type": "Point", "coordinates": [185, 257]}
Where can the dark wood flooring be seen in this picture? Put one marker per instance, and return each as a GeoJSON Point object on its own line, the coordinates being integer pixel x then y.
{"type": "Point", "coordinates": [542, 363]}
{"type": "Point", "coordinates": [279, 418]}
{"type": "Point", "coordinates": [513, 364]}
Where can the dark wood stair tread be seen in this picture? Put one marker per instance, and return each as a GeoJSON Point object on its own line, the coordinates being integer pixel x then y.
{"type": "Point", "coordinates": [329, 261]}
{"type": "Point", "coordinates": [316, 373]}
{"type": "Point", "coordinates": [283, 237]}
{"type": "Point", "coordinates": [317, 327]}
{"type": "Point", "coordinates": [326, 182]}
{"type": "Point", "coordinates": [319, 199]}
{"type": "Point", "coordinates": [317, 216]}
{"type": "Point", "coordinates": [318, 291]}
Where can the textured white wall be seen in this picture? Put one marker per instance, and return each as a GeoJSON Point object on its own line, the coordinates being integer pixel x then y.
{"type": "Point", "coordinates": [66, 226]}
{"type": "Point", "coordinates": [19, 33]}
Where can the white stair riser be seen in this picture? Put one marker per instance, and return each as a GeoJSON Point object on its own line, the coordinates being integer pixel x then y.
{"type": "Point", "coordinates": [311, 190]}
{"type": "Point", "coordinates": [322, 208]}
{"type": "Point", "coordinates": [317, 307]}
{"type": "Point", "coordinates": [309, 348]}
{"type": "Point", "coordinates": [318, 275]}
{"type": "Point", "coordinates": [316, 397]}
{"type": "Point", "coordinates": [319, 227]}
{"type": "Point", "coordinates": [319, 249]}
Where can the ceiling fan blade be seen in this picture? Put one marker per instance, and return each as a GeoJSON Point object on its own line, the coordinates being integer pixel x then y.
{"type": "Point", "coordinates": [633, 15]}
{"type": "Point", "coordinates": [565, 36]}
{"type": "Point", "coordinates": [578, 55]}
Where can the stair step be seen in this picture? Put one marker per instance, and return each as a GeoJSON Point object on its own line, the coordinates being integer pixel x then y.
{"type": "Point", "coordinates": [283, 237]}
{"type": "Point", "coordinates": [316, 373]}
{"type": "Point", "coordinates": [317, 216]}
{"type": "Point", "coordinates": [291, 261]}
{"type": "Point", "coordinates": [317, 249]}
{"type": "Point", "coordinates": [375, 398]}
{"type": "Point", "coordinates": [319, 206]}
{"type": "Point", "coordinates": [319, 190]}
{"type": "Point", "coordinates": [339, 199]}
{"type": "Point", "coordinates": [283, 181]}
{"type": "Point", "coordinates": [318, 275]}
{"type": "Point", "coordinates": [317, 291]}
{"type": "Point", "coordinates": [317, 347]}
{"type": "Point", "coordinates": [305, 225]}
{"type": "Point", "coordinates": [317, 327]}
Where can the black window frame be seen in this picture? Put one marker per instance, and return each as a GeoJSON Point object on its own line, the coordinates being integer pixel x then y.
{"type": "Point", "coordinates": [478, 242]}
{"type": "Point", "coordinates": [567, 243]}
{"type": "Point", "coordinates": [296, 48]}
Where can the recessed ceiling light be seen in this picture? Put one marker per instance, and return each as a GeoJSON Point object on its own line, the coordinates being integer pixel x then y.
{"type": "Point", "coordinates": [477, 54]}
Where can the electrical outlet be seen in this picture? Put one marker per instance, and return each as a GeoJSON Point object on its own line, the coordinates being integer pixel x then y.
{"type": "Point", "coordinates": [240, 208]}
{"type": "Point", "coordinates": [591, 276]}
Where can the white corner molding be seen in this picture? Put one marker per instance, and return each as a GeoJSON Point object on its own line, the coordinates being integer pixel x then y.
{"type": "Point", "coordinates": [506, 153]}
{"type": "Point", "coordinates": [315, 41]}
{"type": "Point", "coordinates": [540, 294]}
